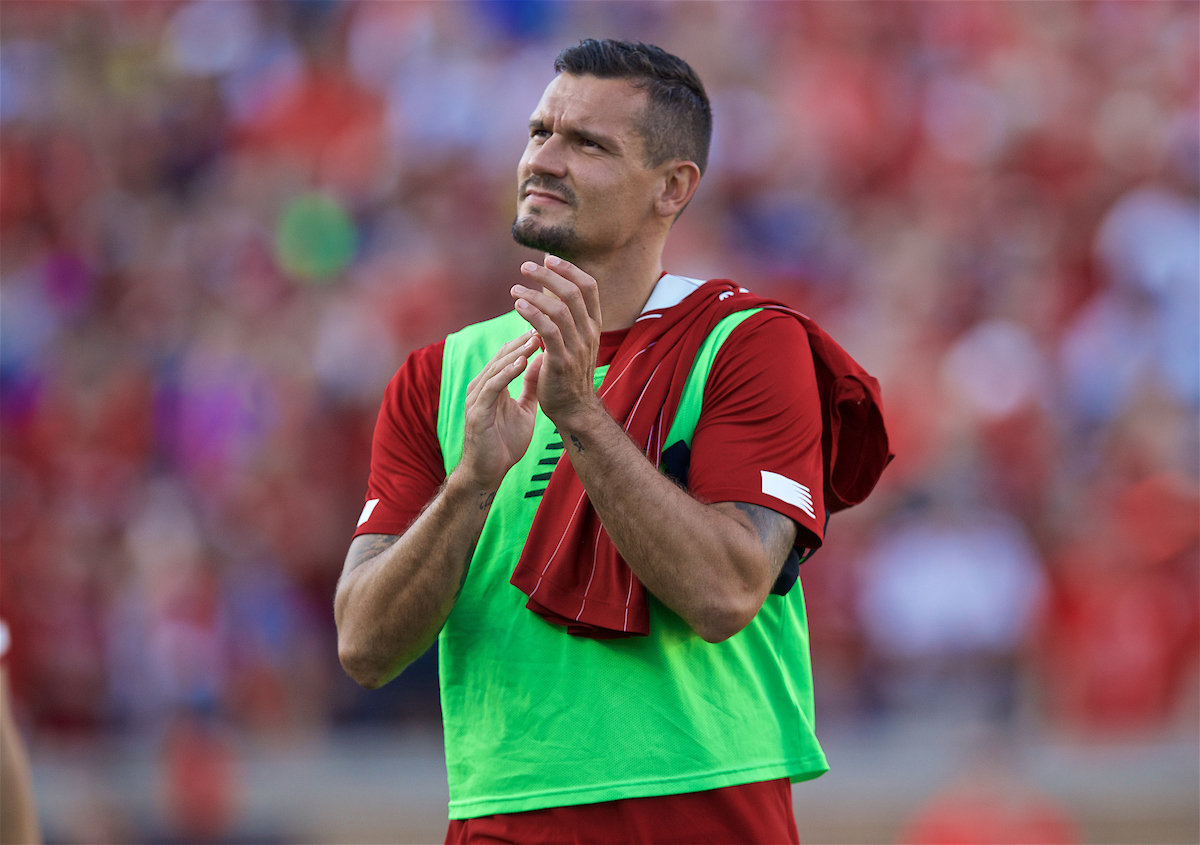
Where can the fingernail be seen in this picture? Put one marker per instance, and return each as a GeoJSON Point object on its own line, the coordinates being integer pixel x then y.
{"type": "Point", "coordinates": [553, 260]}
{"type": "Point", "coordinates": [517, 290]}
{"type": "Point", "coordinates": [528, 267]}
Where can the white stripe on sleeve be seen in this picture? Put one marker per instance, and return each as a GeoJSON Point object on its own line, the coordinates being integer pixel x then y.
{"type": "Point", "coordinates": [368, 508]}
{"type": "Point", "coordinates": [783, 488]}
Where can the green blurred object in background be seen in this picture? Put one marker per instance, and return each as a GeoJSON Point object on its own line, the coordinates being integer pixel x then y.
{"type": "Point", "coordinates": [315, 239]}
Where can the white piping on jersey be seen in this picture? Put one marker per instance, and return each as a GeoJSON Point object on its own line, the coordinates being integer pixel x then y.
{"type": "Point", "coordinates": [574, 513]}
{"type": "Point", "coordinates": [588, 588]}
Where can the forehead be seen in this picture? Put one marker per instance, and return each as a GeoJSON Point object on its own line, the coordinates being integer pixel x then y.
{"type": "Point", "coordinates": [612, 106]}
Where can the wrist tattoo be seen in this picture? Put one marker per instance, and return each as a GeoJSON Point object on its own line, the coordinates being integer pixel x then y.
{"type": "Point", "coordinates": [486, 499]}
{"type": "Point", "coordinates": [577, 443]}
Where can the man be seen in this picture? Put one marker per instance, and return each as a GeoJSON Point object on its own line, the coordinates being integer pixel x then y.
{"type": "Point", "coordinates": [598, 501]}
{"type": "Point", "coordinates": [18, 809]}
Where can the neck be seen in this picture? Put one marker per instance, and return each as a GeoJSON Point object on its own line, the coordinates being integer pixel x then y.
{"type": "Point", "coordinates": [625, 281]}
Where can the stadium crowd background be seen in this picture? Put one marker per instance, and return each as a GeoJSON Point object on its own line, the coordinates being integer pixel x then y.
{"type": "Point", "coordinates": [224, 224]}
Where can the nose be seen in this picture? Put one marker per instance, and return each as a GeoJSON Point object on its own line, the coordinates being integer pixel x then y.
{"type": "Point", "coordinates": [547, 158]}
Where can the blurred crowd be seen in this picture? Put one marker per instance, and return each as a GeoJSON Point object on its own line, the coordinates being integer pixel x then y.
{"type": "Point", "coordinates": [224, 224]}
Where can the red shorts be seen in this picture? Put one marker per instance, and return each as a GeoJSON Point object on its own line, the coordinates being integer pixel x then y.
{"type": "Point", "coordinates": [759, 813]}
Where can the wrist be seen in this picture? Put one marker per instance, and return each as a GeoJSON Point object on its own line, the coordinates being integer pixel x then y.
{"type": "Point", "coordinates": [581, 419]}
{"type": "Point", "coordinates": [462, 486]}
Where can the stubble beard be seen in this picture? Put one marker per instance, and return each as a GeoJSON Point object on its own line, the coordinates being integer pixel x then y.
{"type": "Point", "coordinates": [528, 230]}
{"type": "Point", "coordinates": [561, 240]}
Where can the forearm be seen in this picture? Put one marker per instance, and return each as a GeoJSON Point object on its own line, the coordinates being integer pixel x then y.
{"type": "Point", "coordinates": [18, 810]}
{"type": "Point", "coordinates": [712, 564]}
{"type": "Point", "coordinates": [391, 601]}
{"type": "Point", "coordinates": [390, 608]}
{"type": "Point", "coordinates": [705, 565]}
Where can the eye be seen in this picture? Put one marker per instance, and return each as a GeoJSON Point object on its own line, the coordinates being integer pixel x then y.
{"type": "Point", "coordinates": [539, 134]}
{"type": "Point", "coordinates": [588, 143]}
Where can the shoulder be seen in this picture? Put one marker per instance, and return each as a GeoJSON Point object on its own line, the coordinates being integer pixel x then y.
{"type": "Point", "coordinates": [771, 337]}
{"type": "Point", "coordinates": [774, 322]}
{"type": "Point", "coordinates": [421, 370]}
{"type": "Point", "coordinates": [766, 359]}
{"type": "Point", "coordinates": [426, 357]}
{"type": "Point", "coordinates": [423, 367]}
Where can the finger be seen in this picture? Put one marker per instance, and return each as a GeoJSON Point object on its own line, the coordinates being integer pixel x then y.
{"type": "Point", "coordinates": [588, 289]}
{"type": "Point", "coordinates": [501, 365]}
{"type": "Point", "coordinates": [553, 307]}
{"type": "Point", "coordinates": [528, 397]}
{"type": "Point", "coordinates": [563, 290]}
{"type": "Point", "coordinates": [501, 360]}
{"type": "Point", "coordinates": [566, 309]}
{"type": "Point", "coordinates": [524, 344]}
{"type": "Point", "coordinates": [549, 332]}
{"type": "Point", "coordinates": [498, 383]}
{"type": "Point", "coordinates": [506, 369]}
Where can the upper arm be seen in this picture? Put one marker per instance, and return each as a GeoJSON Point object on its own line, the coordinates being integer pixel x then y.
{"type": "Point", "coordinates": [407, 466]}
{"type": "Point", "coordinates": [363, 549]}
{"type": "Point", "coordinates": [775, 533]}
{"type": "Point", "coordinates": [366, 547]}
{"type": "Point", "coordinates": [758, 439]}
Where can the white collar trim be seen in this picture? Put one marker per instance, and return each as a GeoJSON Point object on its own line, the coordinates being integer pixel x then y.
{"type": "Point", "coordinates": [669, 291]}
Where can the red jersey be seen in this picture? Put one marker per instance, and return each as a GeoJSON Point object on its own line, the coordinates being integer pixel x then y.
{"type": "Point", "coordinates": [761, 410]}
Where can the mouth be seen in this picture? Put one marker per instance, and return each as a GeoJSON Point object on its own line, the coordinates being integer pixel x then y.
{"type": "Point", "coordinates": [537, 197]}
{"type": "Point", "coordinates": [536, 194]}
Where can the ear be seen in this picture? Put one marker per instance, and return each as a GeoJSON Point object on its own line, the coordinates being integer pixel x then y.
{"type": "Point", "coordinates": [679, 182]}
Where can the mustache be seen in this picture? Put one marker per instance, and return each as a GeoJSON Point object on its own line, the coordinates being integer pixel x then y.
{"type": "Point", "coordinates": [553, 186]}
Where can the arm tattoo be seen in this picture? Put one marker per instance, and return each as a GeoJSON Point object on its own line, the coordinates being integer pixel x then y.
{"type": "Point", "coordinates": [366, 546]}
{"type": "Point", "coordinates": [577, 443]}
{"type": "Point", "coordinates": [776, 531]}
{"type": "Point", "coordinates": [486, 499]}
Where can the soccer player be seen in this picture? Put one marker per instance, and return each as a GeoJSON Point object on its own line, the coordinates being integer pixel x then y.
{"type": "Point", "coordinates": [18, 810]}
{"type": "Point", "coordinates": [598, 502]}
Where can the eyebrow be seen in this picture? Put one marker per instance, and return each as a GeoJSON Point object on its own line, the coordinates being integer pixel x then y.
{"type": "Point", "coordinates": [606, 141]}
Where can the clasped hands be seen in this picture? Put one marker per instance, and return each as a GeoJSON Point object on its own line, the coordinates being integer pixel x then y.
{"type": "Point", "coordinates": [565, 320]}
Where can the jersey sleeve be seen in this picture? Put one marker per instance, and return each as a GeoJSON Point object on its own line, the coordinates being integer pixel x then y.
{"type": "Point", "coordinates": [758, 439]}
{"type": "Point", "coordinates": [406, 458]}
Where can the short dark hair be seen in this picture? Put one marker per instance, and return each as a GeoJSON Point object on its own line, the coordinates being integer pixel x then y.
{"type": "Point", "coordinates": [678, 121]}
